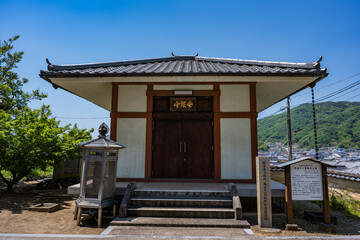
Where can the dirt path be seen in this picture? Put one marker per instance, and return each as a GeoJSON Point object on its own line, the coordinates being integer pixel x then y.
{"type": "Point", "coordinates": [15, 218]}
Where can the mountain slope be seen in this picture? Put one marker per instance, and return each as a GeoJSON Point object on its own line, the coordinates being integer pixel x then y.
{"type": "Point", "coordinates": [338, 124]}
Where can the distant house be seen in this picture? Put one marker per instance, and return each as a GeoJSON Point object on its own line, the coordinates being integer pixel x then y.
{"type": "Point", "coordinates": [185, 118]}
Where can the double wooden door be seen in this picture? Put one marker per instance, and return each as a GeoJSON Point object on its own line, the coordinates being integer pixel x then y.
{"type": "Point", "coordinates": [183, 145]}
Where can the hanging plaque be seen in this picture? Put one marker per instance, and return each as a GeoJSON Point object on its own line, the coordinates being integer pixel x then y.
{"type": "Point", "coordinates": [183, 104]}
{"type": "Point", "coordinates": [306, 182]}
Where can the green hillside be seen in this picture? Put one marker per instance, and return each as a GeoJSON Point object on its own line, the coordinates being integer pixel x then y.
{"type": "Point", "coordinates": [338, 124]}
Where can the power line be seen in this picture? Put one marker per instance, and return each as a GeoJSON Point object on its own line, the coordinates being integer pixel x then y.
{"type": "Point", "coordinates": [352, 97]}
{"type": "Point", "coordinates": [338, 91]}
{"type": "Point", "coordinates": [341, 80]}
{"type": "Point", "coordinates": [346, 93]}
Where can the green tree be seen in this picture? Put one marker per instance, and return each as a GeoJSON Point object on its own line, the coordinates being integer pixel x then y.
{"type": "Point", "coordinates": [29, 138]}
{"type": "Point", "coordinates": [32, 140]}
{"type": "Point", "coordinates": [11, 94]}
{"type": "Point", "coordinates": [263, 146]}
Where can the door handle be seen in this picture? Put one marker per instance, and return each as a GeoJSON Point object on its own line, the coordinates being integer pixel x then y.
{"type": "Point", "coordinates": [180, 146]}
{"type": "Point", "coordinates": [184, 147]}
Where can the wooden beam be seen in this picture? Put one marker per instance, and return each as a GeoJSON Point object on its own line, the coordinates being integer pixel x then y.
{"type": "Point", "coordinates": [252, 89]}
{"type": "Point", "coordinates": [288, 197]}
{"type": "Point", "coordinates": [130, 115]}
{"type": "Point", "coordinates": [114, 109]}
{"type": "Point", "coordinates": [254, 146]}
{"type": "Point", "coordinates": [149, 132]}
{"type": "Point", "coordinates": [326, 204]}
{"type": "Point", "coordinates": [237, 115]}
{"type": "Point", "coordinates": [217, 147]}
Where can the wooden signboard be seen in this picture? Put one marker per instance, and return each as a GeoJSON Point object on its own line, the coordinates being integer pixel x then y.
{"type": "Point", "coordinates": [306, 179]}
{"type": "Point", "coordinates": [183, 104]}
{"type": "Point", "coordinates": [306, 183]}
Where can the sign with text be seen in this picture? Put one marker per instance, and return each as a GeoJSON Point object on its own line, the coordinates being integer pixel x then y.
{"type": "Point", "coordinates": [263, 189]}
{"type": "Point", "coordinates": [183, 104]}
{"type": "Point", "coordinates": [306, 182]}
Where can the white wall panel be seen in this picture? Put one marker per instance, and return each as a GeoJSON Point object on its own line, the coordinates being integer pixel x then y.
{"type": "Point", "coordinates": [235, 148]}
{"type": "Point", "coordinates": [132, 98]}
{"type": "Point", "coordinates": [132, 133]}
{"type": "Point", "coordinates": [235, 98]}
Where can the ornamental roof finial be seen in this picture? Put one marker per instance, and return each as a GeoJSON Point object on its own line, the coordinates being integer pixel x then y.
{"type": "Point", "coordinates": [103, 130]}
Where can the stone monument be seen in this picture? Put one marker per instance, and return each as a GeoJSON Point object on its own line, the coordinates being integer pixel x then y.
{"type": "Point", "coordinates": [263, 192]}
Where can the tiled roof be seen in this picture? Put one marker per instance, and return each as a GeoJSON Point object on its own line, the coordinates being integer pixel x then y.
{"type": "Point", "coordinates": [185, 65]}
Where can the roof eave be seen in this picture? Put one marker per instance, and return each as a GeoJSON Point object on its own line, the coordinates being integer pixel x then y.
{"type": "Point", "coordinates": [46, 75]}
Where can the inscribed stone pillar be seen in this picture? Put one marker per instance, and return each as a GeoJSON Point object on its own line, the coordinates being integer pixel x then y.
{"type": "Point", "coordinates": [263, 192]}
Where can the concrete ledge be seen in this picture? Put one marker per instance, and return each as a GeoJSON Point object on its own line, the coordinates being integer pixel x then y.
{"type": "Point", "coordinates": [243, 189]}
{"type": "Point", "coordinates": [180, 222]}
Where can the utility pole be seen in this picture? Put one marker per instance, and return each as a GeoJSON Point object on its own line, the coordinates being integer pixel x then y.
{"type": "Point", "coordinates": [288, 118]}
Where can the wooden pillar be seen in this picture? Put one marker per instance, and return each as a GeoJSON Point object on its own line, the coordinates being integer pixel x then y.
{"type": "Point", "coordinates": [114, 109]}
{"type": "Point", "coordinates": [288, 196]}
{"type": "Point", "coordinates": [326, 205]}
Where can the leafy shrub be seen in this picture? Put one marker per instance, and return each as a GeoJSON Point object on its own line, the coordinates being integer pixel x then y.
{"type": "Point", "coordinates": [344, 203]}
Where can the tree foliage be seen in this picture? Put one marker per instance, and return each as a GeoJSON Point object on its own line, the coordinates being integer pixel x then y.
{"type": "Point", "coordinates": [338, 125]}
{"type": "Point", "coordinates": [29, 138]}
{"type": "Point", "coordinates": [262, 146]}
{"type": "Point", "coordinates": [12, 95]}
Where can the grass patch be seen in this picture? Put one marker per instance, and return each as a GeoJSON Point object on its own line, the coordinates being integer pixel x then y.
{"type": "Point", "coordinates": [343, 202]}
{"type": "Point", "coordinates": [48, 172]}
{"type": "Point", "coordinates": [35, 173]}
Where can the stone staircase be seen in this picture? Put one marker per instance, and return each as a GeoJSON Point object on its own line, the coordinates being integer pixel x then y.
{"type": "Point", "coordinates": [181, 204]}
{"type": "Point", "coordinates": [181, 207]}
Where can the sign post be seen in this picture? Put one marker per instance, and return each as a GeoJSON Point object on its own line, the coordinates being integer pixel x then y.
{"type": "Point", "coordinates": [288, 199]}
{"type": "Point", "coordinates": [306, 179]}
{"type": "Point", "coordinates": [263, 188]}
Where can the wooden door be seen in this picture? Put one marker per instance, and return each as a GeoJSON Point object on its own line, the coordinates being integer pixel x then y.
{"type": "Point", "coordinates": [167, 156]}
{"type": "Point", "coordinates": [198, 148]}
{"type": "Point", "coordinates": [182, 142]}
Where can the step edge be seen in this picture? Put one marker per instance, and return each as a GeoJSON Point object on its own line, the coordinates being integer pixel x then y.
{"type": "Point", "coordinates": [162, 209]}
{"type": "Point", "coordinates": [181, 199]}
{"type": "Point", "coordinates": [246, 226]}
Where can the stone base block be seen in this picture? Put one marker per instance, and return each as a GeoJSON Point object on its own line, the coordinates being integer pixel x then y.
{"type": "Point", "coordinates": [328, 228]}
{"type": "Point", "coordinates": [259, 229]}
{"type": "Point", "coordinates": [291, 227]}
{"type": "Point", "coordinates": [45, 207]}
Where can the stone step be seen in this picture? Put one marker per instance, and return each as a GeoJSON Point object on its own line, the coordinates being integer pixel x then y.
{"type": "Point", "coordinates": [181, 202]}
{"type": "Point", "coordinates": [180, 222]}
{"type": "Point", "coordinates": [180, 194]}
{"type": "Point", "coordinates": [178, 212]}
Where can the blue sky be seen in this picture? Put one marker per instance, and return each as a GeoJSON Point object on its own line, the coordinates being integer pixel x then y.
{"type": "Point", "coordinates": [70, 32]}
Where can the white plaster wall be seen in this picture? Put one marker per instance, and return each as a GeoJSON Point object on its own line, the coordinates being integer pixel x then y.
{"type": "Point", "coordinates": [268, 93]}
{"type": "Point", "coordinates": [183, 87]}
{"type": "Point", "coordinates": [132, 133]}
{"type": "Point", "coordinates": [95, 92]}
{"type": "Point", "coordinates": [132, 98]}
{"type": "Point", "coordinates": [235, 98]}
{"type": "Point", "coordinates": [235, 148]}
